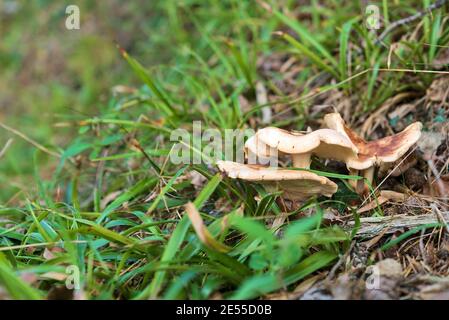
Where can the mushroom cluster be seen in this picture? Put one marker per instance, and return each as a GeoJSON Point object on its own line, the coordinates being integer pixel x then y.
{"type": "Point", "coordinates": [336, 142]}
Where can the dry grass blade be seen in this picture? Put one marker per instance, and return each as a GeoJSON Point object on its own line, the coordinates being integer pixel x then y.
{"type": "Point", "coordinates": [201, 230]}
{"type": "Point", "coordinates": [262, 99]}
{"type": "Point", "coordinates": [26, 138]}
{"type": "Point", "coordinates": [5, 147]}
{"type": "Point", "coordinates": [36, 245]}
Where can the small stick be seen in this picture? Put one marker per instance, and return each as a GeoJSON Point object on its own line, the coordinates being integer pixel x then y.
{"type": "Point", "coordinates": [372, 226]}
{"type": "Point", "coordinates": [439, 216]}
{"type": "Point", "coordinates": [422, 248]}
{"type": "Point", "coordinates": [334, 269]}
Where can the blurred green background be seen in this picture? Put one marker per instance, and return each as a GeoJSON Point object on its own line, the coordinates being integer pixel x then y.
{"type": "Point", "coordinates": [51, 75]}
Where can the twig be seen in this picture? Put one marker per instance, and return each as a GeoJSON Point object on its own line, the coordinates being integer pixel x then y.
{"type": "Point", "coordinates": [340, 262]}
{"type": "Point", "coordinates": [439, 216]}
{"type": "Point", "coordinates": [409, 19]}
{"type": "Point", "coordinates": [372, 226]}
{"type": "Point", "coordinates": [422, 249]}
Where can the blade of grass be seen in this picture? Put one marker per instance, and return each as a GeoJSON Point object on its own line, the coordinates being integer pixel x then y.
{"type": "Point", "coordinates": [318, 61]}
{"type": "Point", "coordinates": [128, 195]}
{"type": "Point", "coordinates": [256, 286]}
{"type": "Point", "coordinates": [409, 233]}
{"type": "Point", "coordinates": [344, 39]}
{"type": "Point", "coordinates": [434, 37]}
{"type": "Point", "coordinates": [165, 189]}
{"type": "Point", "coordinates": [16, 287]}
{"type": "Point", "coordinates": [171, 249]}
{"type": "Point", "coordinates": [144, 75]}
{"type": "Point", "coordinates": [305, 36]}
{"type": "Point", "coordinates": [176, 240]}
{"type": "Point", "coordinates": [309, 265]}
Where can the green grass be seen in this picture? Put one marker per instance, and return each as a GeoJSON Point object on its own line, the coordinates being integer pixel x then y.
{"type": "Point", "coordinates": [199, 62]}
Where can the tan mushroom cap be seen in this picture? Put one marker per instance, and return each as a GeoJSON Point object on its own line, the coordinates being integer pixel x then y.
{"type": "Point", "coordinates": [385, 150]}
{"type": "Point", "coordinates": [255, 147]}
{"type": "Point", "coordinates": [324, 143]}
{"type": "Point", "coordinates": [295, 142]}
{"type": "Point", "coordinates": [296, 184]}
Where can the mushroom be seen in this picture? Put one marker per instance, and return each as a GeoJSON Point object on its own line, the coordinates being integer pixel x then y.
{"type": "Point", "coordinates": [324, 143]}
{"type": "Point", "coordinates": [258, 152]}
{"type": "Point", "coordinates": [297, 185]}
{"type": "Point", "coordinates": [373, 153]}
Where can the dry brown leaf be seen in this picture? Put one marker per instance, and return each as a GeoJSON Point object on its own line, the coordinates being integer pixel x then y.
{"type": "Point", "coordinates": [393, 195]}
{"type": "Point", "coordinates": [49, 253]}
{"type": "Point", "coordinates": [375, 240]}
{"type": "Point", "coordinates": [384, 196]}
{"type": "Point", "coordinates": [438, 90]}
{"type": "Point", "coordinates": [377, 117]}
{"type": "Point", "coordinates": [373, 204]}
{"type": "Point", "coordinates": [197, 179]}
{"type": "Point", "coordinates": [442, 59]}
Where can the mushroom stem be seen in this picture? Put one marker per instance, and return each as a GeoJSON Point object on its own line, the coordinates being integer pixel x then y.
{"type": "Point", "coordinates": [302, 160]}
{"type": "Point", "coordinates": [368, 174]}
{"type": "Point", "coordinates": [353, 182]}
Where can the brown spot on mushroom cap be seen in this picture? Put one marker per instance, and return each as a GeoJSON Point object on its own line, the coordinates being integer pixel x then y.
{"type": "Point", "coordinates": [391, 148]}
{"type": "Point", "coordinates": [296, 184]}
{"type": "Point", "coordinates": [385, 150]}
